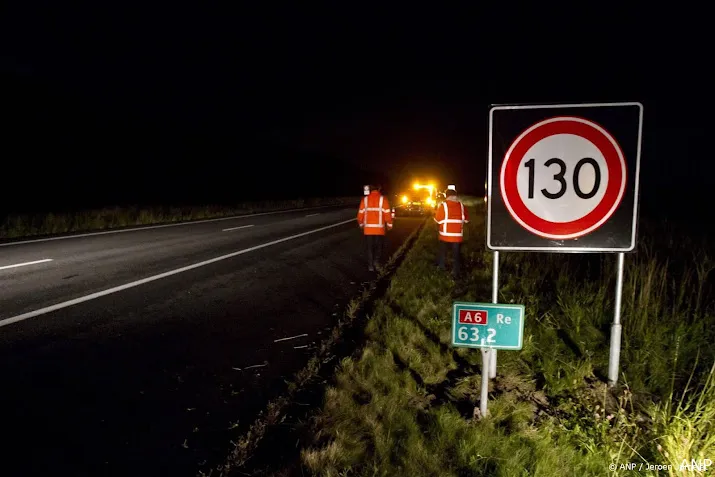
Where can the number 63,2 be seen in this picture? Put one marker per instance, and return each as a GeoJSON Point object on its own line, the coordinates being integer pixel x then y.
{"type": "Point", "coordinates": [472, 334]}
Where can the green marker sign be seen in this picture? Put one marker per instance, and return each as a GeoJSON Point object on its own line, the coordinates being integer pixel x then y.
{"type": "Point", "coordinates": [487, 325]}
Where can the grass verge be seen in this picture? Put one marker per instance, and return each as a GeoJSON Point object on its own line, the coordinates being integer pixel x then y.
{"type": "Point", "coordinates": [16, 226]}
{"type": "Point", "coordinates": [405, 404]}
{"type": "Point", "coordinates": [246, 457]}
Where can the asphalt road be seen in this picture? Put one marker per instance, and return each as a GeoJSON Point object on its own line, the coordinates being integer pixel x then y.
{"type": "Point", "coordinates": [145, 352]}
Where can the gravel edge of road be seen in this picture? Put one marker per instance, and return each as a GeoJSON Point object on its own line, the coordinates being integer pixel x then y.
{"type": "Point", "coordinates": [248, 444]}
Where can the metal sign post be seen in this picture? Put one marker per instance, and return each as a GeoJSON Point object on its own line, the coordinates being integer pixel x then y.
{"type": "Point", "coordinates": [614, 355]}
{"type": "Point", "coordinates": [564, 178]}
{"type": "Point", "coordinates": [484, 394]}
{"type": "Point", "coordinates": [495, 299]}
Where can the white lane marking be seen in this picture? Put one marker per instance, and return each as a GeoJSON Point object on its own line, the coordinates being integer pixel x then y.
{"type": "Point", "coordinates": [255, 366]}
{"type": "Point", "coordinates": [290, 338]}
{"type": "Point", "coordinates": [249, 367]}
{"type": "Point", "coordinates": [150, 227]}
{"type": "Point", "coordinates": [25, 264]}
{"type": "Point", "coordinates": [312, 215]}
{"type": "Point", "coordinates": [236, 228]}
{"type": "Point", "coordinates": [299, 347]}
{"type": "Point", "coordinates": [109, 291]}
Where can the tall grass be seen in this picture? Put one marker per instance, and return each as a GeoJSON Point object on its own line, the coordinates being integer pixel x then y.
{"type": "Point", "coordinates": [16, 226]}
{"type": "Point", "coordinates": [685, 427]}
{"type": "Point", "coordinates": [405, 406]}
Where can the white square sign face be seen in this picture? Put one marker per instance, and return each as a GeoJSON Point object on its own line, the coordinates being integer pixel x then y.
{"type": "Point", "coordinates": [564, 178]}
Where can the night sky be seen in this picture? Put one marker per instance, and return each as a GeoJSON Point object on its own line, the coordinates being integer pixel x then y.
{"type": "Point", "coordinates": [169, 105]}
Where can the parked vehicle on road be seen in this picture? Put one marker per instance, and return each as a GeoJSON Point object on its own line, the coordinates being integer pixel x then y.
{"type": "Point", "coordinates": [421, 200]}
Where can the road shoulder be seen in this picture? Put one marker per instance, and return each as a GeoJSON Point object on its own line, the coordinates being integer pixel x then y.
{"type": "Point", "coordinates": [254, 452]}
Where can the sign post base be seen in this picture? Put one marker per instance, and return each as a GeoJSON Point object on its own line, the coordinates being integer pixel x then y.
{"type": "Point", "coordinates": [614, 354]}
{"type": "Point", "coordinates": [486, 355]}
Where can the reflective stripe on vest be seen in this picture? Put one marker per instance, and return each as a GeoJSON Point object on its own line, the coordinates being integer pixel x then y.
{"type": "Point", "coordinates": [379, 209]}
{"type": "Point", "coordinates": [447, 220]}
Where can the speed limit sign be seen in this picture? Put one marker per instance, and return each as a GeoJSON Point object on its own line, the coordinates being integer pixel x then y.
{"type": "Point", "coordinates": [564, 177]}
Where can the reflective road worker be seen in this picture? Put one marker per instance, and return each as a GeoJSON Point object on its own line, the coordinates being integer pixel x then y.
{"type": "Point", "coordinates": [451, 216]}
{"type": "Point", "coordinates": [374, 216]}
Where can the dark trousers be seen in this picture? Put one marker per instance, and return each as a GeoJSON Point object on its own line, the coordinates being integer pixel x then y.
{"type": "Point", "coordinates": [456, 256]}
{"type": "Point", "coordinates": [374, 245]}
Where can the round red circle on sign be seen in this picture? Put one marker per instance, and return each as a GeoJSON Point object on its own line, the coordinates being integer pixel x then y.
{"type": "Point", "coordinates": [608, 204]}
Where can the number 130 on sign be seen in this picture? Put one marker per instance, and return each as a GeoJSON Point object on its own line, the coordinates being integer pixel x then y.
{"type": "Point", "coordinates": [563, 177]}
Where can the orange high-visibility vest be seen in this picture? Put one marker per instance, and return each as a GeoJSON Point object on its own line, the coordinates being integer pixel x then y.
{"type": "Point", "coordinates": [374, 214]}
{"type": "Point", "coordinates": [451, 216]}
